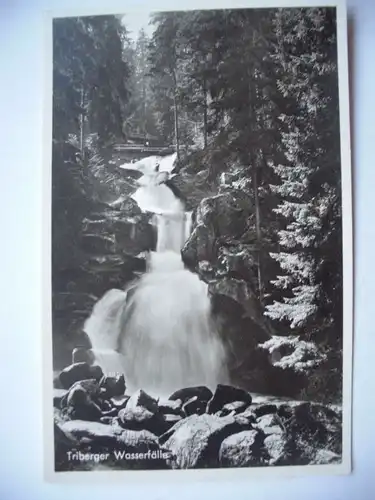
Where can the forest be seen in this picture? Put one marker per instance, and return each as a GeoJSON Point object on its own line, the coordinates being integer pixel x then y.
{"type": "Point", "coordinates": [249, 101]}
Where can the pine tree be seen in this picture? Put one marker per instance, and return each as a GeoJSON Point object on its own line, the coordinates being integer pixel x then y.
{"type": "Point", "coordinates": [164, 57]}
{"type": "Point", "coordinates": [309, 185]}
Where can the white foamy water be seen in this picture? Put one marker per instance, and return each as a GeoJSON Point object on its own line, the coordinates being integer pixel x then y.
{"type": "Point", "coordinates": [162, 337]}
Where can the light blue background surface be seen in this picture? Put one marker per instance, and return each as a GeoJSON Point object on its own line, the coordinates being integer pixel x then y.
{"type": "Point", "coordinates": [21, 96]}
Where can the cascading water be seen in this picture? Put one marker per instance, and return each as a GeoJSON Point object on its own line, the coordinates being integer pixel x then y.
{"type": "Point", "coordinates": [161, 335]}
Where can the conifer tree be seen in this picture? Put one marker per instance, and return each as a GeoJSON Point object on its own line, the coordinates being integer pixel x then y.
{"type": "Point", "coordinates": [309, 186]}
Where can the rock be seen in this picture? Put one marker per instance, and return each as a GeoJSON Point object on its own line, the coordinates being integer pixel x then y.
{"type": "Point", "coordinates": [72, 301]}
{"type": "Point", "coordinates": [142, 412]}
{"type": "Point", "coordinates": [275, 446]}
{"type": "Point", "coordinates": [77, 372]}
{"type": "Point", "coordinates": [78, 404]}
{"type": "Point", "coordinates": [56, 382]}
{"type": "Point", "coordinates": [200, 246]}
{"type": "Point", "coordinates": [141, 398]}
{"type": "Point", "coordinates": [119, 402]}
{"type": "Point", "coordinates": [96, 434]}
{"type": "Point", "coordinates": [194, 406]}
{"type": "Point", "coordinates": [265, 409]}
{"type": "Point", "coordinates": [98, 243]}
{"type": "Point", "coordinates": [172, 419]}
{"type": "Point", "coordinates": [244, 449]}
{"type": "Point", "coordinates": [81, 355]}
{"type": "Point", "coordinates": [324, 457]}
{"type": "Point", "coordinates": [202, 393]}
{"type": "Point", "coordinates": [243, 294]}
{"type": "Point", "coordinates": [140, 450]}
{"type": "Point", "coordinates": [63, 443]}
{"type": "Point", "coordinates": [106, 420]}
{"type": "Point", "coordinates": [269, 424]}
{"type": "Point", "coordinates": [58, 395]}
{"type": "Point", "coordinates": [235, 408]}
{"type": "Point", "coordinates": [173, 407]}
{"type": "Point", "coordinates": [228, 213]}
{"type": "Point", "coordinates": [248, 414]}
{"type": "Point", "coordinates": [195, 441]}
{"type": "Point", "coordinates": [135, 234]}
{"type": "Point", "coordinates": [225, 394]}
{"type": "Point", "coordinates": [113, 386]}
{"type": "Point", "coordinates": [311, 433]}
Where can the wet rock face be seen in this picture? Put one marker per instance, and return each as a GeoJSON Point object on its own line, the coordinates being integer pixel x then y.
{"type": "Point", "coordinates": [226, 213]}
{"type": "Point", "coordinates": [221, 250]}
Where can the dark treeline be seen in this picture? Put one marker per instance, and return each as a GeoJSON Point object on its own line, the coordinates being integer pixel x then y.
{"type": "Point", "coordinates": [249, 98]}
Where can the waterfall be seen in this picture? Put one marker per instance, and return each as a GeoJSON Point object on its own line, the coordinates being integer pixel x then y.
{"type": "Point", "coordinates": [161, 336]}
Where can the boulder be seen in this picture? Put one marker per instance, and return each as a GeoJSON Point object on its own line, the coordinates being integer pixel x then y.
{"type": "Point", "coordinates": [310, 433]}
{"type": "Point", "coordinates": [200, 246]}
{"type": "Point", "coordinates": [172, 407]}
{"type": "Point", "coordinates": [96, 434]}
{"type": "Point", "coordinates": [202, 393]}
{"type": "Point", "coordinates": [63, 443]}
{"type": "Point", "coordinates": [269, 424]}
{"type": "Point", "coordinates": [119, 402]}
{"type": "Point", "coordinates": [82, 355]}
{"type": "Point", "coordinates": [195, 441]}
{"type": "Point", "coordinates": [77, 372]}
{"type": "Point", "coordinates": [243, 294]}
{"type": "Point", "coordinates": [58, 395]}
{"type": "Point", "coordinates": [142, 413]}
{"type": "Point", "coordinates": [78, 404]}
{"type": "Point", "coordinates": [244, 449]}
{"type": "Point", "coordinates": [227, 212]}
{"type": "Point", "coordinates": [194, 406]}
{"type": "Point", "coordinates": [275, 445]}
{"type": "Point", "coordinates": [235, 408]}
{"type": "Point", "coordinates": [225, 394]}
{"type": "Point", "coordinates": [113, 386]}
{"type": "Point", "coordinates": [265, 409]}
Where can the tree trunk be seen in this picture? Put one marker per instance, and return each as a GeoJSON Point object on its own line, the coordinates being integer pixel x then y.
{"type": "Point", "coordinates": [205, 118]}
{"type": "Point", "coordinates": [254, 169]}
{"type": "Point", "coordinates": [81, 125]}
{"type": "Point", "coordinates": [175, 109]}
{"type": "Point", "coordinates": [254, 173]}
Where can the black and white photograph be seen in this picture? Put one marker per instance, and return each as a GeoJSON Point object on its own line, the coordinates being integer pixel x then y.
{"type": "Point", "coordinates": [198, 281]}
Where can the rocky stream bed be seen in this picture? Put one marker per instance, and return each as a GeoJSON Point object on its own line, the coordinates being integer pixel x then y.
{"type": "Point", "coordinates": [99, 425]}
